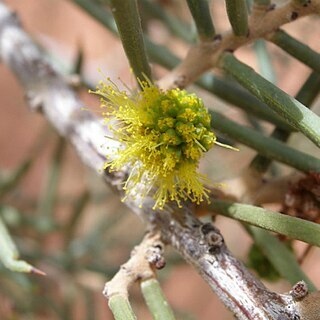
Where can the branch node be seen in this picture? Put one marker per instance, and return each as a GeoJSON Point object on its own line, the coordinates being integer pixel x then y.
{"type": "Point", "coordinates": [299, 291]}
{"type": "Point", "coordinates": [144, 258]}
{"type": "Point", "coordinates": [294, 15]}
{"type": "Point", "coordinates": [181, 81]}
{"type": "Point", "coordinates": [245, 295]}
{"type": "Point", "coordinates": [155, 257]}
{"type": "Point", "coordinates": [212, 237]}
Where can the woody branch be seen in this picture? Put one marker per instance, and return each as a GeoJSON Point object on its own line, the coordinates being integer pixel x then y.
{"type": "Point", "coordinates": [205, 55]}
{"type": "Point", "coordinates": [200, 244]}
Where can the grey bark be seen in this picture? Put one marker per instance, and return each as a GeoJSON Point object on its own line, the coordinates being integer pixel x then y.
{"type": "Point", "coordinates": [202, 245]}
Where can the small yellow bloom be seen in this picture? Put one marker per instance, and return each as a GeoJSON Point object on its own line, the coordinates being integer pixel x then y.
{"type": "Point", "coordinates": [163, 134]}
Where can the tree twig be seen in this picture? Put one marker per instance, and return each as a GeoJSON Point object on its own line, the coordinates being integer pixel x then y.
{"type": "Point", "coordinates": [204, 56]}
{"type": "Point", "coordinates": [200, 244]}
{"type": "Point", "coordinates": [144, 260]}
{"type": "Point", "coordinates": [156, 301]}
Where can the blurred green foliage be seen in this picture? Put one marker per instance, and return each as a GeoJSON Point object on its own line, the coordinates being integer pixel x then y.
{"type": "Point", "coordinates": [80, 239]}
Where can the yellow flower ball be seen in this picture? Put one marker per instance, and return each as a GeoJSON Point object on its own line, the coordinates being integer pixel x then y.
{"type": "Point", "coordinates": [163, 134]}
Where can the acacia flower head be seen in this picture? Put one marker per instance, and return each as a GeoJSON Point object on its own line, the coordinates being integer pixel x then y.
{"type": "Point", "coordinates": [163, 135]}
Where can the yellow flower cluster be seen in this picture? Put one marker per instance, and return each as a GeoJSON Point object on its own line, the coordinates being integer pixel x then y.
{"type": "Point", "coordinates": [163, 136]}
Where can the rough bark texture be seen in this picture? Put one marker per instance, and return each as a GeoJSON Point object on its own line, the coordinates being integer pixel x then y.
{"type": "Point", "coordinates": [200, 244]}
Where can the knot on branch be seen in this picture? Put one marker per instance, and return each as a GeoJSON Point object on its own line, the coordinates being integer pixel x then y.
{"type": "Point", "coordinates": [299, 291]}
{"type": "Point", "coordinates": [181, 81]}
{"type": "Point", "coordinates": [212, 237]}
{"type": "Point", "coordinates": [155, 257]}
{"type": "Point", "coordinates": [144, 259]}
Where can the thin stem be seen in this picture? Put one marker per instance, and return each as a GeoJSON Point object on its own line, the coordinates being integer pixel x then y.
{"type": "Point", "coordinates": [200, 12]}
{"type": "Point", "coordinates": [261, 163]}
{"type": "Point", "coordinates": [156, 301]}
{"type": "Point", "coordinates": [296, 49]}
{"type": "Point", "coordinates": [269, 147]}
{"type": "Point", "coordinates": [290, 109]}
{"type": "Point", "coordinates": [238, 16]}
{"type": "Point", "coordinates": [121, 308]}
{"type": "Point", "coordinates": [224, 89]}
{"type": "Point", "coordinates": [310, 89]}
{"type": "Point", "coordinates": [78, 63]}
{"type": "Point", "coordinates": [305, 253]}
{"type": "Point", "coordinates": [127, 18]}
{"type": "Point", "coordinates": [77, 211]}
{"type": "Point", "coordinates": [262, 2]}
{"type": "Point", "coordinates": [236, 96]}
{"type": "Point", "coordinates": [294, 228]}
{"type": "Point", "coordinates": [282, 259]}
{"type": "Point", "coordinates": [10, 182]}
{"type": "Point", "coordinates": [15, 177]}
{"type": "Point", "coordinates": [265, 64]}
{"type": "Point", "coordinates": [177, 27]}
{"type": "Point", "coordinates": [47, 201]}
{"type": "Point", "coordinates": [306, 95]}
{"type": "Point", "coordinates": [99, 13]}
{"type": "Point", "coordinates": [245, 295]}
{"type": "Point", "coordinates": [203, 57]}
{"type": "Point", "coordinates": [144, 259]}
{"type": "Point", "coordinates": [220, 87]}
{"type": "Point", "coordinates": [9, 253]}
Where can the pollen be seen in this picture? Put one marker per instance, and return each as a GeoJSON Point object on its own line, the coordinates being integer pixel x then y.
{"type": "Point", "coordinates": [163, 135]}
